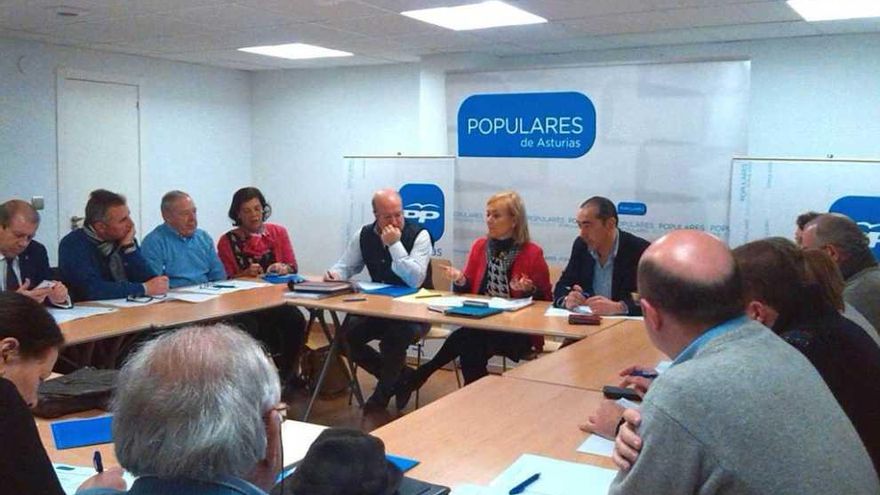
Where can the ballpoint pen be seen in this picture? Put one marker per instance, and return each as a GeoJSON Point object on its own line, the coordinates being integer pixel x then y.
{"type": "Point", "coordinates": [525, 484]}
{"type": "Point", "coordinates": [98, 462]}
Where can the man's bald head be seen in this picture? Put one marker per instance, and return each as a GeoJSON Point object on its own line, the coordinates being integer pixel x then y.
{"type": "Point", "coordinates": [692, 277]}
{"type": "Point", "coordinates": [384, 198]}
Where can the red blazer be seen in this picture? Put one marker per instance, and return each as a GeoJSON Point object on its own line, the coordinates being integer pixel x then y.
{"type": "Point", "coordinates": [529, 262]}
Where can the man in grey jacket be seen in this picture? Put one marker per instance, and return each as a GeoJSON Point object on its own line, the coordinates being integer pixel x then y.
{"type": "Point", "coordinates": [739, 411]}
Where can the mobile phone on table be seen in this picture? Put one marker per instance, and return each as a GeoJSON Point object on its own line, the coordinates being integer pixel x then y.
{"type": "Point", "coordinates": [614, 393]}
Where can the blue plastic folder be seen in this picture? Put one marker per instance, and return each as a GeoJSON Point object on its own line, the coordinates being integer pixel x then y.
{"type": "Point", "coordinates": [72, 433]}
{"type": "Point", "coordinates": [473, 311]}
{"type": "Point", "coordinates": [392, 290]}
{"type": "Point", "coordinates": [402, 463]}
{"type": "Point", "coordinates": [283, 279]}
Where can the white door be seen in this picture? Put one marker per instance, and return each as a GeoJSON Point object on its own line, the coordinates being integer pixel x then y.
{"type": "Point", "coordinates": [98, 145]}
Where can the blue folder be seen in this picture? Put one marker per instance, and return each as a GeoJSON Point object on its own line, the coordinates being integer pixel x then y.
{"type": "Point", "coordinates": [392, 290]}
{"type": "Point", "coordinates": [283, 279]}
{"type": "Point", "coordinates": [72, 433]}
{"type": "Point", "coordinates": [477, 312]}
{"type": "Point", "coordinates": [402, 463]}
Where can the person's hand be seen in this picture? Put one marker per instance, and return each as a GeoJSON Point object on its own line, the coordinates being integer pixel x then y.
{"type": "Point", "coordinates": [278, 268]}
{"type": "Point", "coordinates": [58, 293]}
{"type": "Point", "coordinates": [601, 305]}
{"type": "Point", "coordinates": [156, 285]}
{"type": "Point", "coordinates": [331, 276]}
{"type": "Point", "coordinates": [575, 298]}
{"type": "Point", "coordinates": [628, 443]}
{"type": "Point", "coordinates": [38, 295]}
{"type": "Point", "coordinates": [604, 421]}
{"type": "Point", "coordinates": [129, 237]}
{"type": "Point", "coordinates": [522, 284]}
{"type": "Point", "coordinates": [639, 383]}
{"type": "Point", "coordinates": [454, 274]}
{"type": "Point", "coordinates": [110, 478]}
{"type": "Point", "coordinates": [390, 235]}
{"type": "Point", "coordinates": [254, 270]}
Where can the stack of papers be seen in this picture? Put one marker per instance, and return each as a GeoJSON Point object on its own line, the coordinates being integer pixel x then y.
{"type": "Point", "coordinates": [191, 297]}
{"type": "Point", "coordinates": [77, 312]}
{"type": "Point", "coordinates": [222, 287]}
{"type": "Point", "coordinates": [125, 303]}
{"type": "Point", "coordinates": [71, 477]}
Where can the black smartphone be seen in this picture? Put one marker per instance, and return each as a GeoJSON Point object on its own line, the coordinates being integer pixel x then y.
{"type": "Point", "coordinates": [615, 393]}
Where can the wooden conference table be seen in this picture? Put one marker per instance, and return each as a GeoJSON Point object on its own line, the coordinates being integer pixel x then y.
{"type": "Point", "coordinates": [595, 361]}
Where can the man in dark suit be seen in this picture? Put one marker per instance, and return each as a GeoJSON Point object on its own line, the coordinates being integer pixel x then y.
{"type": "Point", "coordinates": [25, 264]}
{"type": "Point", "coordinates": [601, 272]}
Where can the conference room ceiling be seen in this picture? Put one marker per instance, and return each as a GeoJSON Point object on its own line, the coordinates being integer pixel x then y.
{"type": "Point", "coordinates": [209, 31]}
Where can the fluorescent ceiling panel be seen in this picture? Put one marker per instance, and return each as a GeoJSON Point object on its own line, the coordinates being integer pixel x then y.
{"type": "Point", "coordinates": [475, 16]}
{"type": "Point", "coordinates": [830, 10]}
{"type": "Point", "coordinates": [295, 51]}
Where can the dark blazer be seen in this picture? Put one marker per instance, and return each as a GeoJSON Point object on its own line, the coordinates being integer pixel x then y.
{"type": "Point", "coordinates": [579, 271]}
{"type": "Point", "coordinates": [34, 264]}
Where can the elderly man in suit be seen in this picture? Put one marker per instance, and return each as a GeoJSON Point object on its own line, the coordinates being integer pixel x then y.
{"type": "Point", "coordinates": [25, 264]}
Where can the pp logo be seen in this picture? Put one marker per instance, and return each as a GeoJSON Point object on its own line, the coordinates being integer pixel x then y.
{"type": "Point", "coordinates": [424, 204]}
{"type": "Point", "coordinates": [865, 211]}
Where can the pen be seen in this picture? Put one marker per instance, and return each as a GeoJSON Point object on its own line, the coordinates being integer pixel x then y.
{"type": "Point", "coordinates": [99, 464]}
{"type": "Point", "coordinates": [223, 286]}
{"type": "Point", "coordinates": [424, 296]}
{"type": "Point", "coordinates": [522, 486]}
{"type": "Point", "coordinates": [644, 374]}
{"type": "Point", "coordinates": [354, 299]}
{"type": "Point", "coordinates": [583, 292]}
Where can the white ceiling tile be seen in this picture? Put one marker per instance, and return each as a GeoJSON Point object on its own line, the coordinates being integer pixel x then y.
{"type": "Point", "coordinates": [130, 29]}
{"type": "Point", "coordinates": [576, 9]}
{"type": "Point", "coordinates": [232, 16]}
{"type": "Point", "coordinates": [848, 26]}
{"type": "Point", "coordinates": [759, 31]}
{"type": "Point", "coordinates": [636, 22]}
{"type": "Point", "coordinates": [527, 33]}
{"type": "Point", "coordinates": [384, 25]}
{"type": "Point", "coordinates": [315, 10]}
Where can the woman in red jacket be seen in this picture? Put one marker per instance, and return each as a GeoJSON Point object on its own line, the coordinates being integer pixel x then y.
{"type": "Point", "coordinates": [505, 263]}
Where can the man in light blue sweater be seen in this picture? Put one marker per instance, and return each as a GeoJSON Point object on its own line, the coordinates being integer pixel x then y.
{"type": "Point", "coordinates": [740, 410]}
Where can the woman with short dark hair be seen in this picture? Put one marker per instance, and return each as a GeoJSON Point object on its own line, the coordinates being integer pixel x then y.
{"type": "Point", "coordinates": [29, 344]}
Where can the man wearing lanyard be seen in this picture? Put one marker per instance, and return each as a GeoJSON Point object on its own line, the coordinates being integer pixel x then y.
{"type": "Point", "coordinates": [25, 264]}
{"type": "Point", "coordinates": [740, 410]}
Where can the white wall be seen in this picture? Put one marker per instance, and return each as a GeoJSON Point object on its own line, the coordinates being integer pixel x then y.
{"type": "Point", "coordinates": [195, 124]}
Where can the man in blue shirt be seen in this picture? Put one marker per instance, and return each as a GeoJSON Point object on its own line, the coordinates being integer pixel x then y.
{"type": "Point", "coordinates": [178, 248]}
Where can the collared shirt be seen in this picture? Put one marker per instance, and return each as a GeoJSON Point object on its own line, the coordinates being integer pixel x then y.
{"type": "Point", "coordinates": [691, 350]}
{"type": "Point", "coordinates": [411, 267]}
{"type": "Point", "coordinates": [604, 275]}
{"type": "Point", "coordinates": [185, 260]}
{"type": "Point", "coordinates": [4, 266]}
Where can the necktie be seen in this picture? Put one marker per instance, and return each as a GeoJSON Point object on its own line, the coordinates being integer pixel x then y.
{"type": "Point", "coordinates": [11, 279]}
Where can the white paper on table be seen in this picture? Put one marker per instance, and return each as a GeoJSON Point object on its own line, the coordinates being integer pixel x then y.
{"type": "Point", "coordinates": [557, 477]}
{"type": "Point", "coordinates": [191, 297]}
{"type": "Point", "coordinates": [77, 312]}
{"type": "Point", "coordinates": [622, 317]}
{"type": "Point", "coordinates": [444, 301]}
{"type": "Point", "coordinates": [364, 285]}
{"type": "Point", "coordinates": [71, 477]}
{"type": "Point", "coordinates": [125, 303]}
{"type": "Point", "coordinates": [220, 287]}
{"type": "Point", "coordinates": [596, 445]}
{"type": "Point", "coordinates": [509, 304]}
{"type": "Point", "coordinates": [628, 404]}
{"type": "Point", "coordinates": [467, 489]}
{"type": "Point", "coordinates": [583, 309]}
{"type": "Point", "coordinates": [662, 366]}
{"type": "Point", "coordinates": [296, 438]}
{"type": "Point", "coordinates": [551, 311]}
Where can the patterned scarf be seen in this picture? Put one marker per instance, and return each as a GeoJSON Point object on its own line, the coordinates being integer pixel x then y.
{"type": "Point", "coordinates": [110, 251]}
{"type": "Point", "coordinates": [499, 255]}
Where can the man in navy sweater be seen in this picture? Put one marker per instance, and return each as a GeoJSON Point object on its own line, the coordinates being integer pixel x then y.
{"type": "Point", "coordinates": [102, 260]}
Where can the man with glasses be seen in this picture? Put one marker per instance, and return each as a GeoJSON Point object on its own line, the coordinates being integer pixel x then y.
{"type": "Point", "coordinates": [850, 249]}
{"type": "Point", "coordinates": [102, 260]}
{"type": "Point", "coordinates": [601, 272]}
{"type": "Point", "coordinates": [397, 253]}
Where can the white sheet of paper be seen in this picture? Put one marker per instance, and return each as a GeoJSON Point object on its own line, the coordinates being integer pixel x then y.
{"type": "Point", "coordinates": [467, 489]}
{"type": "Point", "coordinates": [662, 366]}
{"type": "Point", "coordinates": [77, 312]}
{"type": "Point", "coordinates": [596, 445]}
{"type": "Point", "coordinates": [509, 304]}
{"type": "Point", "coordinates": [551, 311]}
{"type": "Point", "coordinates": [73, 476]}
{"type": "Point", "coordinates": [191, 296]}
{"type": "Point", "coordinates": [628, 404]}
{"type": "Point", "coordinates": [557, 477]}
{"type": "Point", "coordinates": [372, 285]}
{"type": "Point", "coordinates": [621, 317]}
{"type": "Point", "coordinates": [124, 303]}
{"type": "Point", "coordinates": [584, 310]}
{"type": "Point", "coordinates": [297, 437]}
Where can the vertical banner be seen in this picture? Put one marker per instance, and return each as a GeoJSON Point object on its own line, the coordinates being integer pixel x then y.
{"type": "Point", "coordinates": [426, 186]}
{"type": "Point", "coordinates": [657, 139]}
{"type": "Point", "coordinates": [767, 195]}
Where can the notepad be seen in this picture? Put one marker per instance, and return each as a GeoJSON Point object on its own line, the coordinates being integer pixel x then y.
{"type": "Point", "coordinates": [70, 433]}
{"type": "Point", "coordinates": [557, 477]}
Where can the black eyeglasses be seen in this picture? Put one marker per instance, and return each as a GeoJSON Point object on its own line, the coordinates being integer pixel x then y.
{"type": "Point", "coordinates": [145, 299]}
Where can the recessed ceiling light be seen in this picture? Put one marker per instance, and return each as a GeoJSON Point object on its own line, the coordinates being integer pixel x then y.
{"type": "Point", "coordinates": [475, 16]}
{"type": "Point", "coordinates": [829, 10]}
{"type": "Point", "coordinates": [295, 51]}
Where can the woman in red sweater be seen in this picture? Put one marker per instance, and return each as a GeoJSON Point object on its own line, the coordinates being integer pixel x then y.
{"type": "Point", "coordinates": [505, 263]}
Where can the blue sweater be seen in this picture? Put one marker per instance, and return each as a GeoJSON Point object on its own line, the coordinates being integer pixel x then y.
{"type": "Point", "coordinates": [185, 260]}
{"type": "Point", "coordinates": [87, 273]}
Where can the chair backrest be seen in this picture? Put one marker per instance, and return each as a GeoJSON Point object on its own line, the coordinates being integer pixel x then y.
{"type": "Point", "coordinates": [555, 273]}
{"type": "Point", "coordinates": [441, 279]}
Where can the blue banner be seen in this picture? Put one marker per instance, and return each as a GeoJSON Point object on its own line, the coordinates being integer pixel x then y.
{"type": "Point", "coordinates": [864, 211]}
{"type": "Point", "coordinates": [538, 125]}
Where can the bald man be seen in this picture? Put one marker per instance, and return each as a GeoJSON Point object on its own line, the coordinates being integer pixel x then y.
{"type": "Point", "coordinates": [397, 253]}
{"type": "Point", "coordinates": [850, 248]}
{"type": "Point", "coordinates": [739, 411]}
{"type": "Point", "coordinates": [24, 263]}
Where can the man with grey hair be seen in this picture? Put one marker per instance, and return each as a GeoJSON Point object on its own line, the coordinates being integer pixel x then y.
{"type": "Point", "coordinates": [848, 246]}
{"type": "Point", "coordinates": [102, 260]}
{"type": "Point", "coordinates": [24, 263]}
{"type": "Point", "coordinates": [179, 248]}
{"type": "Point", "coordinates": [196, 422]}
